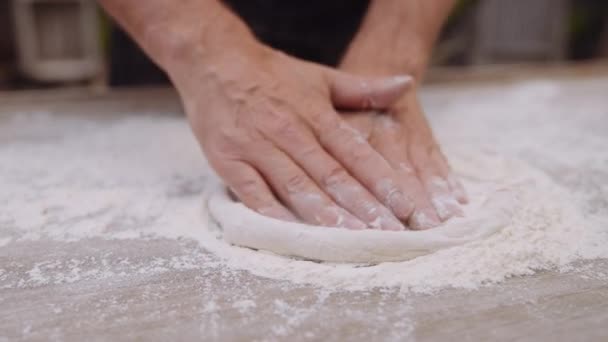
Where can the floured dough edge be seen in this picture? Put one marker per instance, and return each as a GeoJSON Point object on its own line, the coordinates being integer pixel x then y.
{"type": "Point", "coordinates": [244, 227]}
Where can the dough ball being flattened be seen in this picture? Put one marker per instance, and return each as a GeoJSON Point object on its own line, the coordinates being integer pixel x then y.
{"type": "Point", "coordinates": [490, 209]}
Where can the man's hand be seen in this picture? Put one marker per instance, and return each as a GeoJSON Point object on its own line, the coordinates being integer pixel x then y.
{"type": "Point", "coordinates": [404, 138]}
{"type": "Point", "coordinates": [397, 37]}
{"type": "Point", "coordinates": [268, 126]}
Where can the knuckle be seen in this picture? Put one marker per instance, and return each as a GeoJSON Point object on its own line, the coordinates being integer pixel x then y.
{"type": "Point", "coordinates": [335, 176]}
{"type": "Point", "coordinates": [236, 144]}
{"type": "Point", "coordinates": [320, 118]}
{"type": "Point", "coordinates": [328, 128]}
{"type": "Point", "coordinates": [226, 144]}
{"type": "Point", "coordinates": [296, 183]}
{"type": "Point", "coordinates": [246, 187]}
{"type": "Point", "coordinates": [406, 168]}
{"type": "Point", "coordinates": [350, 142]}
{"type": "Point", "coordinates": [308, 151]}
{"type": "Point", "coordinates": [359, 155]}
{"type": "Point", "coordinates": [282, 125]}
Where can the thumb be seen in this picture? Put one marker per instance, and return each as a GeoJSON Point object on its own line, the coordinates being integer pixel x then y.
{"type": "Point", "coordinates": [362, 93]}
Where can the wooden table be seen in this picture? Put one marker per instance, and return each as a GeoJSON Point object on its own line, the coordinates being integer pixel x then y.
{"type": "Point", "coordinates": [114, 300]}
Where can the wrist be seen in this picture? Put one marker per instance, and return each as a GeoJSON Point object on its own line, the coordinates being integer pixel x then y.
{"type": "Point", "coordinates": [409, 54]}
{"type": "Point", "coordinates": [397, 37]}
{"type": "Point", "coordinates": [228, 71]}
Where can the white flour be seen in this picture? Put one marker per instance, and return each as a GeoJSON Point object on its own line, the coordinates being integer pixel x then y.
{"type": "Point", "coordinates": [69, 179]}
{"type": "Point", "coordinates": [546, 231]}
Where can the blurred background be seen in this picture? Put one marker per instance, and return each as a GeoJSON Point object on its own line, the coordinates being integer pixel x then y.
{"type": "Point", "coordinates": [58, 43]}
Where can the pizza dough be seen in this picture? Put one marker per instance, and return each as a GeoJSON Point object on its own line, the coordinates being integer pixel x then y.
{"type": "Point", "coordinates": [490, 210]}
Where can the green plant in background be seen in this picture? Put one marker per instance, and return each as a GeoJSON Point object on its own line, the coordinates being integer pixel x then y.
{"type": "Point", "coordinates": [588, 20]}
{"type": "Point", "coordinates": [460, 9]}
{"type": "Point", "coordinates": [104, 32]}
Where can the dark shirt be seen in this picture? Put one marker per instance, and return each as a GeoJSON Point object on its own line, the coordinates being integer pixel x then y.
{"type": "Point", "coordinates": [314, 30]}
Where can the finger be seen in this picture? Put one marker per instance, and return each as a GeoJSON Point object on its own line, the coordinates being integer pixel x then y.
{"type": "Point", "coordinates": [454, 184]}
{"type": "Point", "coordinates": [428, 169]}
{"type": "Point", "coordinates": [247, 184]}
{"type": "Point", "coordinates": [441, 196]}
{"type": "Point", "coordinates": [390, 140]}
{"type": "Point", "coordinates": [302, 146]}
{"type": "Point", "coordinates": [299, 192]}
{"type": "Point", "coordinates": [428, 161]}
{"type": "Point", "coordinates": [364, 163]}
{"type": "Point", "coordinates": [357, 92]}
{"type": "Point", "coordinates": [457, 189]}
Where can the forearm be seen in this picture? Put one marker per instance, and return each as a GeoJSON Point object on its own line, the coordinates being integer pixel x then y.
{"type": "Point", "coordinates": [396, 36]}
{"type": "Point", "coordinates": [186, 30]}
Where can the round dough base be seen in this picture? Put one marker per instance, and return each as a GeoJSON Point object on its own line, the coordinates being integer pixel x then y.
{"type": "Point", "coordinates": [241, 226]}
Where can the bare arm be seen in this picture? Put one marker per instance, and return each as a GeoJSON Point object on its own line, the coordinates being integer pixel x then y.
{"type": "Point", "coordinates": [168, 30]}
{"type": "Point", "coordinates": [397, 36]}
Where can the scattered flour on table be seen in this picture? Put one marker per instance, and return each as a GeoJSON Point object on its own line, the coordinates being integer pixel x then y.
{"type": "Point", "coordinates": [68, 179]}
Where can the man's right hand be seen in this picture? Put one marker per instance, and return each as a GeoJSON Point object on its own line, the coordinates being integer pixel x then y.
{"type": "Point", "coordinates": [268, 125]}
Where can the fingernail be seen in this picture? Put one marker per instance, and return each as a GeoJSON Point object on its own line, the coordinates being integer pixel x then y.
{"type": "Point", "coordinates": [421, 221]}
{"type": "Point", "coordinates": [352, 222]}
{"type": "Point", "coordinates": [385, 221]}
{"type": "Point", "coordinates": [342, 219]}
{"type": "Point", "coordinates": [446, 206]}
{"type": "Point", "coordinates": [461, 196]}
{"type": "Point", "coordinates": [391, 223]}
{"type": "Point", "coordinates": [457, 189]}
{"type": "Point", "coordinates": [278, 213]}
{"type": "Point", "coordinates": [400, 204]}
